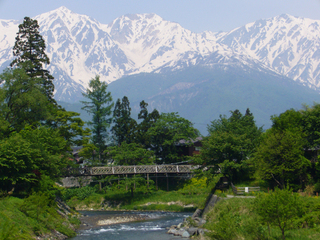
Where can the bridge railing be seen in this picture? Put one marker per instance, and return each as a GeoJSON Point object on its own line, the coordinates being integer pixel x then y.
{"type": "Point", "coordinates": [138, 169]}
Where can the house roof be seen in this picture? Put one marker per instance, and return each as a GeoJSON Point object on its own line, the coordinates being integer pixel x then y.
{"type": "Point", "coordinates": [184, 141]}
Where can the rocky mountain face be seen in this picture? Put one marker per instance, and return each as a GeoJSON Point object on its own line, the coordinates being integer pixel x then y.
{"type": "Point", "coordinates": [79, 47]}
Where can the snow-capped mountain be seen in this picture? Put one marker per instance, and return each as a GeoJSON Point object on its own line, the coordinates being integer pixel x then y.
{"type": "Point", "coordinates": [79, 48]}
{"type": "Point", "coordinates": [289, 45]}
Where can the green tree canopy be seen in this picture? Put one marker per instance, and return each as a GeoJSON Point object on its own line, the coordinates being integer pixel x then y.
{"type": "Point", "coordinates": [130, 154]}
{"type": "Point", "coordinates": [280, 155]}
{"type": "Point", "coordinates": [36, 134]}
{"type": "Point", "coordinates": [24, 102]}
{"type": "Point", "coordinates": [25, 156]}
{"type": "Point", "coordinates": [100, 106]}
{"type": "Point", "coordinates": [311, 125]}
{"type": "Point", "coordinates": [279, 208]}
{"type": "Point", "coordinates": [230, 143]}
{"type": "Point", "coordinates": [165, 135]}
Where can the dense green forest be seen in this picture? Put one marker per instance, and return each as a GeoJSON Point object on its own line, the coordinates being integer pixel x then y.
{"type": "Point", "coordinates": [37, 137]}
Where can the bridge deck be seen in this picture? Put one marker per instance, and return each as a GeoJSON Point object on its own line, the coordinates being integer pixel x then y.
{"type": "Point", "coordinates": [138, 169]}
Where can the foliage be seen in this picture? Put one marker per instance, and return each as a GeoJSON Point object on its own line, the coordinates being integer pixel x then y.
{"type": "Point", "coordinates": [311, 125]}
{"type": "Point", "coordinates": [233, 219]}
{"type": "Point", "coordinates": [279, 208]}
{"type": "Point", "coordinates": [36, 134]}
{"type": "Point", "coordinates": [117, 195]}
{"type": "Point", "coordinates": [230, 143]}
{"type": "Point", "coordinates": [29, 48]}
{"type": "Point", "coordinates": [124, 126]}
{"type": "Point", "coordinates": [239, 218]}
{"type": "Point", "coordinates": [280, 156]}
{"type": "Point", "coordinates": [79, 193]}
{"type": "Point", "coordinates": [26, 155]}
{"type": "Point", "coordinates": [195, 186]}
{"type": "Point", "coordinates": [132, 183]}
{"type": "Point", "coordinates": [148, 120]}
{"type": "Point", "coordinates": [165, 135]}
{"type": "Point", "coordinates": [99, 106]}
{"type": "Point", "coordinates": [70, 127]}
{"type": "Point", "coordinates": [31, 217]}
{"type": "Point", "coordinates": [130, 154]}
{"type": "Point", "coordinates": [23, 102]}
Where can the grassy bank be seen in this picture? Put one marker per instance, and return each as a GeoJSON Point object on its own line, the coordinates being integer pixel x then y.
{"type": "Point", "coordinates": [237, 218]}
{"type": "Point", "coordinates": [35, 216]}
{"type": "Point", "coordinates": [188, 196]}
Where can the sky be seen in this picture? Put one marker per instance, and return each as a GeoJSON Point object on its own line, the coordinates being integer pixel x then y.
{"type": "Point", "coordinates": [195, 15]}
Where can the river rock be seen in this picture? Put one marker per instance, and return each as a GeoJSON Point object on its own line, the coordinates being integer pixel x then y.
{"type": "Point", "coordinates": [185, 234]}
{"type": "Point", "coordinates": [199, 221]}
{"type": "Point", "coordinates": [192, 231]}
{"type": "Point", "coordinates": [176, 232]}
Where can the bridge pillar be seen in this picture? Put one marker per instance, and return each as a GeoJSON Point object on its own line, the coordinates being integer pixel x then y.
{"type": "Point", "coordinates": [134, 183]}
{"type": "Point", "coordinates": [167, 182]}
{"type": "Point", "coordinates": [126, 183]}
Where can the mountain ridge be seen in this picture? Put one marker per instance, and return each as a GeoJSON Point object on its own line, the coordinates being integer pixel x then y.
{"type": "Point", "coordinates": [80, 47]}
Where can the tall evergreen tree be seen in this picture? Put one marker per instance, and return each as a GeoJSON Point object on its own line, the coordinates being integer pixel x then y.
{"type": "Point", "coordinates": [100, 107]}
{"type": "Point", "coordinates": [148, 120]}
{"type": "Point", "coordinates": [124, 126]}
{"type": "Point", "coordinates": [29, 50]}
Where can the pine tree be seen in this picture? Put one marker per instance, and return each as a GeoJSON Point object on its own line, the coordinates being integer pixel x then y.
{"type": "Point", "coordinates": [148, 120]}
{"type": "Point", "coordinates": [29, 50]}
{"type": "Point", "coordinates": [100, 107]}
{"type": "Point", "coordinates": [124, 126]}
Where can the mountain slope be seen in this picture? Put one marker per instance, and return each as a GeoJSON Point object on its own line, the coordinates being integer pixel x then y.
{"type": "Point", "coordinates": [201, 94]}
{"type": "Point", "coordinates": [80, 47]}
{"type": "Point", "coordinates": [289, 45]}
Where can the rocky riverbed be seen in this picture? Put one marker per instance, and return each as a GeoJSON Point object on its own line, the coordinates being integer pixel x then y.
{"type": "Point", "coordinates": [95, 221]}
{"type": "Point", "coordinates": [189, 227]}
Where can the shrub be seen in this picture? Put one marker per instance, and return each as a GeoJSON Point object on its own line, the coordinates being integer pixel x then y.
{"type": "Point", "coordinates": [279, 208]}
{"type": "Point", "coordinates": [80, 193]}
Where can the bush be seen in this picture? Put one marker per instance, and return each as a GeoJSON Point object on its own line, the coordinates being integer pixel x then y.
{"type": "Point", "coordinates": [194, 186]}
{"type": "Point", "coordinates": [317, 187]}
{"type": "Point", "coordinates": [79, 193]}
{"type": "Point", "coordinates": [234, 219]}
{"type": "Point", "coordinates": [279, 208]}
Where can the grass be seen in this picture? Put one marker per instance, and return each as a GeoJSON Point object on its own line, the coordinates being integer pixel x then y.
{"type": "Point", "coordinates": [31, 217]}
{"type": "Point", "coordinates": [235, 218]}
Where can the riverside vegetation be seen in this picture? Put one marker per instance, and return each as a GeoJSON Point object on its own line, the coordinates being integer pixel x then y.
{"type": "Point", "coordinates": [37, 136]}
{"type": "Point", "coordinates": [278, 215]}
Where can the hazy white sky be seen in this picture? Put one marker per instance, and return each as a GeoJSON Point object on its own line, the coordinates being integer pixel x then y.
{"type": "Point", "coordinates": [195, 15]}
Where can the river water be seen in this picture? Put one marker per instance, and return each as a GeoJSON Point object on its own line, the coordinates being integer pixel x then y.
{"type": "Point", "coordinates": [153, 227]}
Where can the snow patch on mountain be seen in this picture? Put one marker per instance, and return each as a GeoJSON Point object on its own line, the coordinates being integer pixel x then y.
{"type": "Point", "coordinates": [80, 47]}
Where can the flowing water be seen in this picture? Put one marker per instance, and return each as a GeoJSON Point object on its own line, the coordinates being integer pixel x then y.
{"type": "Point", "coordinates": [153, 228]}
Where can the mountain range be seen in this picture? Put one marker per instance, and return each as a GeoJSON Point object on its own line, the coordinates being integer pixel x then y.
{"type": "Point", "coordinates": [269, 65]}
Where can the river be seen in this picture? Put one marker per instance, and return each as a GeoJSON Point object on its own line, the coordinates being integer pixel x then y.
{"type": "Point", "coordinates": [152, 225]}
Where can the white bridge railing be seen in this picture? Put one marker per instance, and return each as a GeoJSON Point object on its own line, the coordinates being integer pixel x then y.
{"type": "Point", "coordinates": [140, 169]}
